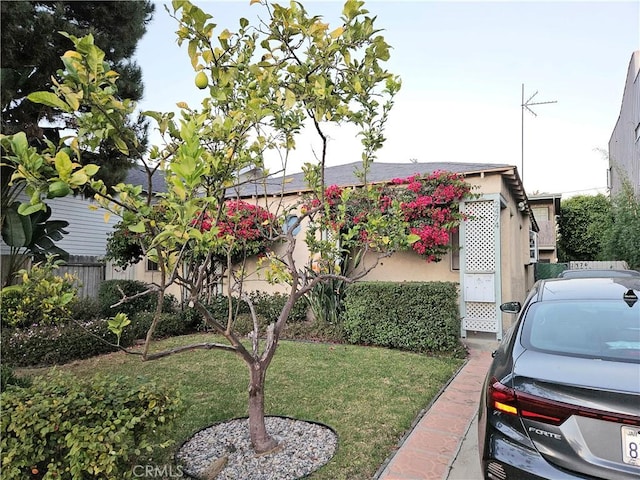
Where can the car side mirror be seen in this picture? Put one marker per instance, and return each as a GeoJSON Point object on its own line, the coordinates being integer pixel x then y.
{"type": "Point", "coordinates": [511, 307]}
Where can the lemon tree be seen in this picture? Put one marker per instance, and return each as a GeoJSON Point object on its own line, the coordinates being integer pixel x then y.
{"type": "Point", "coordinates": [265, 81]}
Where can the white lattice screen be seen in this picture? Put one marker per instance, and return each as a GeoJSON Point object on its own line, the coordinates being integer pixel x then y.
{"type": "Point", "coordinates": [480, 238]}
{"type": "Point", "coordinates": [480, 258]}
{"type": "Point", "coordinates": [480, 317]}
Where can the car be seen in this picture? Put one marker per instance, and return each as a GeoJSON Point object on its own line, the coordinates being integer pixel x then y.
{"type": "Point", "coordinates": [561, 399]}
{"type": "Point", "coordinates": [588, 273]}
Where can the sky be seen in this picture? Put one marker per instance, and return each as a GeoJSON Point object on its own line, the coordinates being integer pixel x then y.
{"type": "Point", "coordinates": [463, 66]}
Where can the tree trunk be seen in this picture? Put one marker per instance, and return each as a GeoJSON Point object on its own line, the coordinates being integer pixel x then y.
{"type": "Point", "coordinates": [261, 441]}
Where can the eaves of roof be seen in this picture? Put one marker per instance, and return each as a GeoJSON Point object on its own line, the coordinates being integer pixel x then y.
{"type": "Point", "coordinates": [344, 176]}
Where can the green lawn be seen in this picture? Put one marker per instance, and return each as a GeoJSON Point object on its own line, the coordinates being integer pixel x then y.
{"type": "Point", "coordinates": [370, 396]}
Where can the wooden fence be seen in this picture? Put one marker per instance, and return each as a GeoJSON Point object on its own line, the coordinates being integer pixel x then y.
{"type": "Point", "coordinates": [89, 271]}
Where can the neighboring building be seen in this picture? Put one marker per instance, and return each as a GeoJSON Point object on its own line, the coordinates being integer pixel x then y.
{"type": "Point", "coordinates": [546, 210]}
{"type": "Point", "coordinates": [86, 241]}
{"type": "Point", "coordinates": [88, 227]}
{"type": "Point", "coordinates": [496, 260]}
{"type": "Point", "coordinates": [624, 145]}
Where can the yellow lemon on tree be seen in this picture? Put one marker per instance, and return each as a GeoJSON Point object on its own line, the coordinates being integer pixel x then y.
{"type": "Point", "coordinates": [201, 80]}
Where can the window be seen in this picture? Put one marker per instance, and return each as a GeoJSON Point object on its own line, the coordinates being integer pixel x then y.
{"type": "Point", "coordinates": [455, 250]}
{"type": "Point", "coordinates": [152, 266]}
{"type": "Point", "coordinates": [541, 214]}
{"type": "Point", "coordinates": [289, 223]}
{"type": "Point", "coordinates": [603, 329]}
{"type": "Point", "coordinates": [533, 246]}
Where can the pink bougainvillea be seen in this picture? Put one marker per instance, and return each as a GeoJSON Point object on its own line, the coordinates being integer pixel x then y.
{"type": "Point", "coordinates": [428, 203]}
{"type": "Point", "coordinates": [246, 224]}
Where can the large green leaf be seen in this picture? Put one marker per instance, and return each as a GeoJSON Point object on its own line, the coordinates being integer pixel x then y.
{"type": "Point", "coordinates": [16, 229]}
{"type": "Point", "coordinates": [45, 233]}
{"type": "Point", "coordinates": [34, 232]}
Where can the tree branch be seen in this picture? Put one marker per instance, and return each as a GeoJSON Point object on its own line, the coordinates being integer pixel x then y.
{"type": "Point", "coordinates": [126, 298]}
{"type": "Point", "coordinates": [186, 348]}
{"type": "Point", "coordinates": [115, 345]}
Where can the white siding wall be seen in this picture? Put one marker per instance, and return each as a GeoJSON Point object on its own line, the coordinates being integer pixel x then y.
{"type": "Point", "coordinates": [87, 228]}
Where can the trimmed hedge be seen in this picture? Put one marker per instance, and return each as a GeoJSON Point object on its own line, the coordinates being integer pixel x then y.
{"type": "Point", "coordinates": [414, 316]}
{"type": "Point", "coordinates": [269, 305]}
{"type": "Point", "coordinates": [41, 345]}
{"type": "Point", "coordinates": [169, 325]}
{"type": "Point", "coordinates": [65, 427]}
{"type": "Point", "coordinates": [88, 336]}
{"type": "Point", "coordinates": [57, 344]}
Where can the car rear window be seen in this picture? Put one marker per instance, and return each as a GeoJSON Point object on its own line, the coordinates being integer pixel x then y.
{"type": "Point", "coordinates": [594, 329]}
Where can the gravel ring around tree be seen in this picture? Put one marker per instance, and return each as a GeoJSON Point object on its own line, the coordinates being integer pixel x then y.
{"type": "Point", "coordinates": [223, 451]}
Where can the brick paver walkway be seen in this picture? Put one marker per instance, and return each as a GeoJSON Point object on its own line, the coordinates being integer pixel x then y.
{"type": "Point", "coordinates": [431, 447]}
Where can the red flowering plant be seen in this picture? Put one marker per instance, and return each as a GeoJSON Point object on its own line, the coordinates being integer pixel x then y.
{"type": "Point", "coordinates": [430, 206]}
{"type": "Point", "coordinates": [424, 207]}
{"type": "Point", "coordinates": [243, 228]}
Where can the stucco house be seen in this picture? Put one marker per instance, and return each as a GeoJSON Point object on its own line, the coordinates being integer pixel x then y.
{"type": "Point", "coordinates": [144, 271]}
{"type": "Point", "coordinates": [495, 262]}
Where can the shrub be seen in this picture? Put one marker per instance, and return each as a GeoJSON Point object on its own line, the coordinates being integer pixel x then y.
{"type": "Point", "coordinates": [314, 329]}
{"type": "Point", "coordinates": [9, 377]}
{"type": "Point", "coordinates": [64, 427]}
{"type": "Point", "coordinates": [326, 301]}
{"type": "Point", "coordinates": [85, 309]}
{"type": "Point", "coordinates": [420, 317]}
{"type": "Point", "coordinates": [244, 325]}
{"type": "Point", "coordinates": [41, 345]}
{"type": "Point", "coordinates": [218, 306]}
{"type": "Point", "coordinates": [58, 344]}
{"type": "Point", "coordinates": [269, 306]}
{"type": "Point", "coordinates": [41, 298]}
{"type": "Point", "coordinates": [193, 318]}
{"type": "Point", "coordinates": [169, 324]}
{"type": "Point", "coordinates": [110, 293]}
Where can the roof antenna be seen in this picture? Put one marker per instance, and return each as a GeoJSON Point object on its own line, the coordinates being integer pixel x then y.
{"type": "Point", "coordinates": [526, 105]}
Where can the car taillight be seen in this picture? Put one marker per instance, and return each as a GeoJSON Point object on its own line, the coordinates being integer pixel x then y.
{"type": "Point", "coordinates": [502, 398]}
{"type": "Point", "coordinates": [525, 405]}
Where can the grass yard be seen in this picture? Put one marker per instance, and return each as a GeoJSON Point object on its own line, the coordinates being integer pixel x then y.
{"type": "Point", "coordinates": [370, 396]}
